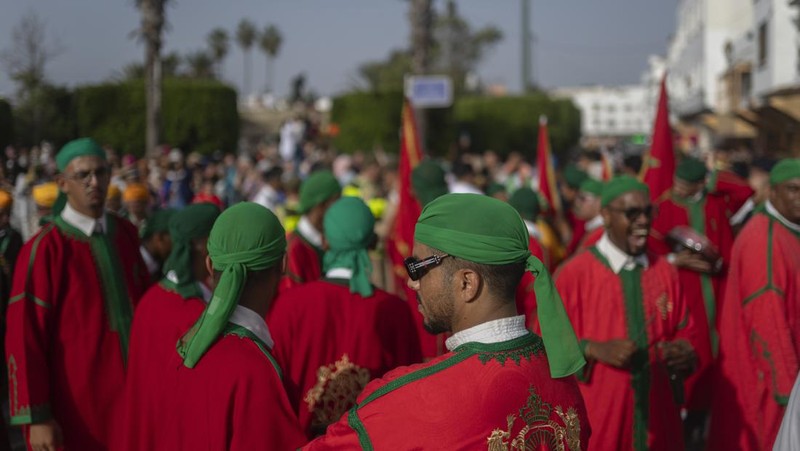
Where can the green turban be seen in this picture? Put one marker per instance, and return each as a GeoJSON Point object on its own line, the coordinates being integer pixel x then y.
{"type": "Point", "coordinates": [158, 222]}
{"type": "Point", "coordinates": [191, 223]}
{"type": "Point", "coordinates": [487, 231]}
{"type": "Point", "coordinates": [691, 170]}
{"type": "Point", "coordinates": [574, 176]}
{"type": "Point", "coordinates": [592, 186]}
{"type": "Point", "coordinates": [428, 182]}
{"type": "Point", "coordinates": [82, 147]}
{"type": "Point", "coordinates": [619, 186]}
{"type": "Point", "coordinates": [784, 171]}
{"type": "Point", "coordinates": [316, 189]}
{"type": "Point", "coordinates": [526, 202]}
{"type": "Point", "coordinates": [495, 188]}
{"type": "Point", "coordinates": [245, 238]}
{"type": "Point", "coordinates": [348, 226]}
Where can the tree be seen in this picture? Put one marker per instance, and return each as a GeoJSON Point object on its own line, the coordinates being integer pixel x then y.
{"type": "Point", "coordinates": [246, 37]}
{"type": "Point", "coordinates": [170, 68]}
{"type": "Point", "coordinates": [270, 43]}
{"type": "Point", "coordinates": [200, 65]}
{"type": "Point", "coordinates": [218, 44]}
{"type": "Point", "coordinates": [152, 30]}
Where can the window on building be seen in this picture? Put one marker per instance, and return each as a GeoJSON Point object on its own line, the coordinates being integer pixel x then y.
{"type": "Point", "coordinates": [762, 44]}
{"type": "Point", "coordinates": [628, 108]}
{"type": "Point", "coordinates": [611, 108]}
{"type": "Point", "coordinates": [611, 124]}
{"type": "Point", "coordinates": [746, 85]}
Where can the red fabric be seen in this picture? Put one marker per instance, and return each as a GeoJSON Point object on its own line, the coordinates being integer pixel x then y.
{"type": "Point", "coordinates": [60, 350]}
{"type": "Point", "coordinates": [760, 337]}
{"type": "Point", "coordinates": [578, 232]}
{"type": "Point", "coordinates": [547, 175]}
{"type": "Point", "coordinates": [316, 324]}
{"type": "Point", "coordinates": [659, 164]}
{"type": "Point", "coordinates": [526, 296]}
{"type": "Point", "coordinates": [232, 399]}
{"type": "Point", "coordinates": [303, 262]}
{"type": "Point", "coordinates": [590, 239]}
{"type": "Point", "coordinates": [445, 404]}
{"type": "Point", "coordinates": [161, 318]}
{"type": "Point", "coordinates": [595, 302]}
{"type": "Point", "coordinates": [734, 189]}
{"type": "Point", "coordinates": [205, 198]}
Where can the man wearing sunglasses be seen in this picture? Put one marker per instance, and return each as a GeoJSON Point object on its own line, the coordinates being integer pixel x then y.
{"type": "Point", "coordinates": [634, 326]}
{"type": "Point", "coordinates": [499, 383]}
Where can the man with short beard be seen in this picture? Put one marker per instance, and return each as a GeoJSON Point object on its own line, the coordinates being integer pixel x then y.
{"type": "Point", "coordinates": [634, 327]}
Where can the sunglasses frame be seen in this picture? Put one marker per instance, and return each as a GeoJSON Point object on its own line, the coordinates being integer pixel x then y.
{"type": "Point", "coordinates": [415, 268]}
{"type": "Point", "coordinates": [650, 211]}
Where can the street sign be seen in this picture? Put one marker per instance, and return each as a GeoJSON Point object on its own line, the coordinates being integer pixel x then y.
{"type": "Point", "coordinates": [429, 91]}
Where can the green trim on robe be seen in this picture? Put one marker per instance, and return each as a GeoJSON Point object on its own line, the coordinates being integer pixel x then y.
{"type": "Point", "coordinates": [241, 332]}
{"type": "Point", "coordinates": [186, 291]}
{"type": "Point", "coordinates": [30, 415]}
{"type": "Point", "coordinates": [770, 286]}
{"type": "Point", "coordinates": [355, 423]}
{"type": "Point", "coordinates": [782, 399]}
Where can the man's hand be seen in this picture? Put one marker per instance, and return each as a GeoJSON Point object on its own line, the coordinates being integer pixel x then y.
{"type": "Point", "coordinates": [693, 261]}
{"type": "Point", "coordinates": [616, 353]}
{"type": "Point", "coordinates": [679, 356]}
{"type": "Point", "coordinates": [46, 436]}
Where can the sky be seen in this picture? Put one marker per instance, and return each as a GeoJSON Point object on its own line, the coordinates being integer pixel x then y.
{"type": "Point", "coordinates": [577, 42]}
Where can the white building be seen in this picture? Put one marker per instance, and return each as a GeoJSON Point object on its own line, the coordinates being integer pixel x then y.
{"type": "Point", "coordinates": [777, 63]}
{"type": "Point", "coordinates": [610, 111]}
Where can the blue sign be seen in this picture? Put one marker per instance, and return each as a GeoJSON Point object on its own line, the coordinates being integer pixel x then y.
{"type": "Point", "coordinates": [429, 91]}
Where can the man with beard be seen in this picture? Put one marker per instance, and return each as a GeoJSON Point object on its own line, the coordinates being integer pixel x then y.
{"type": "Point", "coordinates": [499, 383]}
{"type": "Point", "coordinates": [760, 325]}
{"type": "Point", "coordinates": [634, 326]}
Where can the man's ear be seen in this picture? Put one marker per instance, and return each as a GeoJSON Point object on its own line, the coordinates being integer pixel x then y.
{"type": "Point", "coordinates": [470, 285]}
{"type": "Point", "coordinates": [209, 267]}
{"type": "Point", "coordinates": [606, 214]}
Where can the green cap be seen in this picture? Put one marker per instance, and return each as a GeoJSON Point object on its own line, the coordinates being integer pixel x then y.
{"type": "Point", "coordinates": [619, 186]}
{"type": "Point", "coordinates": [592, 186]}
{"type": "Point", "coordinates": [428, 182]}
{"type": "Point", "coordinates": [316, 189]}
{"type": "Point", "coordinates": [487, 231]}
{"type": "Point", "coordinates": [349, 229]}
{"type": "Point", "coordinates": [82, 147]}
{"type": "Point", "coordinates": [526, 202]}
{"type": "Point", "coordinates": [495, 188]}
{"type": "Point", "coordinates": [574, 176]}
{"type": "Point", "coordinates": [245, 238]}
{"type": "Point", "coordinates": [191, 223]}
{"type": "Point", "coordinates": [691, 170]}
{"type": "Point", "coordinates": [158, 222]}
{"type": "Point", "coordinates": [784, 171]}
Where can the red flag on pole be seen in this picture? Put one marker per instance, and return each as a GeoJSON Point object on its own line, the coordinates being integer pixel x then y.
{"type": "Point", "coordinates": [658, 167]}
{"type": "Point", "coordinates": [547, 173]}
{"type": "Point", "coordinates": [608, 165]}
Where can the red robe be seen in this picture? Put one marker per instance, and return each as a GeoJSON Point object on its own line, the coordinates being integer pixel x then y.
{"type": "Point", "coordinates": [304, 261]}
{"type": "Point", "coordinates": [760, 336]}
{"type": "Point", "coordinates": [316, 325]}
{"type": "Point", "coordinates": [161, 318]}
{"type": "Point", "coordinates": [526, 296]}
{"type": "Point", "coordinates": [629, 409]}
{"type": "Point", "coordinates": [68, 329]}
{"type": "Point", "coordinates": [590, 239]}
{"type": "Point", "coordinates": [578, 232]}
{"type": "Point", "coordinates": [233, 399]}
{"type": "Point", "coordinates": [732, 188]}
{"type": "Point", "coordinates": [477, 395]}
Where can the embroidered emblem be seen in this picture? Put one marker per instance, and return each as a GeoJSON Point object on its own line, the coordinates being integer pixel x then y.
{"type": "Point", "coordinates": [336, 390]}
{"type": "Point", "coordinates": [12, 379]}
{"type": "Point", "coordinates": [664, 306]}
{"type": "Point", "coordinates": [535, 348]}
{"type": "Point", "coordinates": [540, 431]}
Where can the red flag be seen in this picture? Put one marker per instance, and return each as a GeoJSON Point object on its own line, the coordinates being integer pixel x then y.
{"type": "Point", "coordinates": [608, 165]}
{"type": "Point", "coordinates": [547, 174]}
{"type": "Point", "coordinates": [658, 167]}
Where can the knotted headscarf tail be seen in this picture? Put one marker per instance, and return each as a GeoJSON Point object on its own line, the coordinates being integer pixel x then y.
{"type": "Point", "coordinates": [349, 230]}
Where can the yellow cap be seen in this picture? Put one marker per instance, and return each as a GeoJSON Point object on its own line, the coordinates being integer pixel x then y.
{"type": "Point", "coordinates": [45, 194]}
{"type": "Point", "coordinates": [113, 192]}
{"type": "Point", "coordinates": [6, 200]}
{"type": "Point", "coordinates": [134, 192]}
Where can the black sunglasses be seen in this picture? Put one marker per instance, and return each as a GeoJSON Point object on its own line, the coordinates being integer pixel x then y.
{"type": "Point", "coordinates": [633, 213]}
{"type": "Point", "coordinates": [417, 268]}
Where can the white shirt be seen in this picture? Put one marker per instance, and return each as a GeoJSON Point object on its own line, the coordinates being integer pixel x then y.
{"type": "Point", "coordinates": [594, 223]}
{"type": "Point", "coordinates": [497, 331]}
{"type": "Point", "coordinates": [80, 221]}
{"type": "Point", "coordinates": [533, 229]}
{"type": "Point", "coordinates": [617, 259]}
{"type": "Point", "coordinates": [267, 196]}
{"type": "Point", "coordinates": [788, 438]}
{"type": "Point", "coordinates": [252, 321]}
{"type": "Point", "coordinates": [339, 273]}
{"type": "Point", "coordinates": [149, 260]}
{"type": "Point", "coordinates": [774, 212]}
{"type": "Point", "coordinates": [464, 187]}
{"type": "Point", "coordinates": [308, 231]}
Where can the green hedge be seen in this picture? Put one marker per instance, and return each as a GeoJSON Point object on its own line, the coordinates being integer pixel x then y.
{"type": "Point", "coordinates": [367, 120]}
{"type": "Point", "coordinates": [196, 115]}
{"type": "Point", "coordinates": [6, 124]}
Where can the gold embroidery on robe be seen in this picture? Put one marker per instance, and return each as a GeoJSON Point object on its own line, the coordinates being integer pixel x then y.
{"type": "Point", "coordinates": [336, 390]}
{"type": "Point", "coordinates": [539, 429]}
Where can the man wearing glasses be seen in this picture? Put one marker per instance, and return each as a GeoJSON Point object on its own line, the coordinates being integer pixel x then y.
{"type": "Point", "coordinates": [499, 383]}
{"type": "Point", "coordinates": [634, 326]}
{"type": "Point", "coordinates": [70, 311]}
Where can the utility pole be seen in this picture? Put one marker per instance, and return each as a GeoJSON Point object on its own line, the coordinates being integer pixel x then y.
{"type": "Point", "coordinates": [526, 45]}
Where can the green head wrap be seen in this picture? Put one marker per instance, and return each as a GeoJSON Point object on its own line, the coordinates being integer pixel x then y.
{"type": "Point", "coordinates": [495, 188]}
{"type": "Point", "coordinates": [592, 186]}
{"type": "Point", "coordinates": [428, 182]}
{"type": "Point", "coordinates": [348, 226]}
{"type": "Point", "coordinates": [158, 222]}
{"type": "Point", "coordinates": [316, 189]}
{"type": "Point", "coordinates": [487, 231]}
{"type": "Point", "coordinates": [246, 237]}
{"type": "Point", "coordinates": [526, 202]}
{"type": "Point", "coordinates": [784, 171]}
{"type": "Point", "coordinates": [691, 170]}
{"type": "Point", "coordinates": [574, 176]}
{"type": "Point", "coordinates": [619, 186]}
{"type": "Point", "coordinates": [191, 223]}
{"type": "Point", "coordinates": [82, 147]}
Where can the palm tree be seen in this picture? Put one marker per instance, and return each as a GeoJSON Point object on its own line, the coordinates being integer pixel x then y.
{"type": "Point", "coordinates": [151, 31]}
{"type": "Point", "coordinates": [270, 43]}
{"type": "Point", "coordinates": [218, 44]}
{"type": "Point", "coordinates": [246, 37]}
{"type": "Point", "coordinates": [199, 64]}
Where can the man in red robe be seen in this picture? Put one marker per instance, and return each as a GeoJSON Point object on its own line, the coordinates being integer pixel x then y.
{"type": "Point", "coordinates": [334, 335]}
{"type": "Point", "coordinates": [760, 325]}
{"type": "Point", "coordinates": [164, 313]}
{"type": "Point", "coordinates": [587, 208]}
{"type": "Point", "coordinates": [526, 202]}
{"type": "Point", "coordinates": [226, 392]}
{"type": "Point", "coordinates": [304, 252]}
{"type": "Point", "coordinates": [70, 311]}
{"type": "Point", "coordinates": [628, 310]}
{"type": "Point", "coordinates": [499, 383]}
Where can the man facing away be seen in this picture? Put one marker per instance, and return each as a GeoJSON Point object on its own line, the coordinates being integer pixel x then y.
{"type": "Point", "coordinates": [499, 383]}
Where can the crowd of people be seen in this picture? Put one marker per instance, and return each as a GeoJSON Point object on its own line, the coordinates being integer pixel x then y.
{"type": "Point", "coordinates": [254, 301]}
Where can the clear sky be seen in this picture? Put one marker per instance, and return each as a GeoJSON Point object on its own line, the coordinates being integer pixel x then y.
{"type": "Point", "coordinates": [578, 41]}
